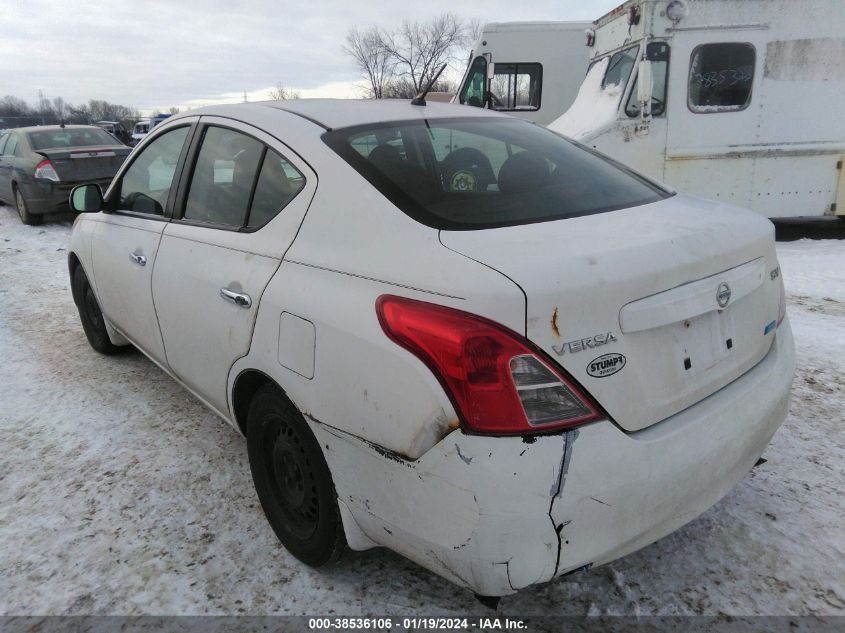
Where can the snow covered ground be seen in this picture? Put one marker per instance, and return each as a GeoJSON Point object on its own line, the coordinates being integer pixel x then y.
{"type": "Point", "coordinates": [121, 494]}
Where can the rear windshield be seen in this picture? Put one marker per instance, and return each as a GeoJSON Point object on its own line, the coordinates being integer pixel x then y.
{"type": "Point", "coordinates": [80, 137]}
{"type": "Point", "coordinates": [461, 174]}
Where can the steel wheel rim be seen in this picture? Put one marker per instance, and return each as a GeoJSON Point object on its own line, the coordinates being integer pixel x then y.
{"type": "Point", "coordinates": [20, 203]}
{"type": "Point", "coordinates": [92, 310]}
{"type": "Point", "coordinates": [291, 479]}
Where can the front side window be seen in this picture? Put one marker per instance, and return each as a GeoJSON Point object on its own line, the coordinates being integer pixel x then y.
{"type": "Point", "coordinates": [720, 77]}
{"type": "Point", "coordinates": [462, 174]}
{"type": "Point", "coordinates": [145, 186]}
{"type": "Point", "coordinates": [516, 86]}
{"type": "Point", "coordinates": [658, 54]}
{"type": "Point", "coordinates": [472, 92]}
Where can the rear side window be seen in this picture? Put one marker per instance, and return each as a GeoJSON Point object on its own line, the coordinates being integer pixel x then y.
{"type": "Point", "coordinates": [238, 182]}
{"type": "Point", "coordinates": [278, 183]}
{"type": "Point", "coordinates": [3, 139]}
{"type": "Point", "coordinates": [462, 174]}
{"type": "Point", "coordinates": [11, 148]}
{"type": "Point", "coordinates": [516, 86]}
{"type": "Point", "coordinates": [720, 77]}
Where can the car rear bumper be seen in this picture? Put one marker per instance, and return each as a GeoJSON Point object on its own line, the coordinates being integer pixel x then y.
{"type": "Point", "coordinates": [46, 196]}
{"type": "Point", "coordinates": [498, 514]}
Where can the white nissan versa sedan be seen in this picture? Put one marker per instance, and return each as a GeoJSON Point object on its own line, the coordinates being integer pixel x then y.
{"type": "Point", "coordinates": [443, 330]}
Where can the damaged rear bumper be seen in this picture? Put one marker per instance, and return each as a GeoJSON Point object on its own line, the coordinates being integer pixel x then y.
{"type": "Point", "coordinates": [499, 514]}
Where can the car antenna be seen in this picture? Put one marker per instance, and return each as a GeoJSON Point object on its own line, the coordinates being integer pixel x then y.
{"type": "Point", "coordinates": [419, 100]}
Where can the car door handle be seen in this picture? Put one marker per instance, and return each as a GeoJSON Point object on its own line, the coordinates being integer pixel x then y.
{"type": "Point", "coordinates": [141, 260]}
{"type": "Point", "coordinates": [237, 298]}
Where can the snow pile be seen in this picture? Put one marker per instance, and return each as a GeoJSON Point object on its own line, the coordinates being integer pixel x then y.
{"type": "Point", "coordinates": [814, 268]}
{"type": "Point", "coordinates": [594, 107]}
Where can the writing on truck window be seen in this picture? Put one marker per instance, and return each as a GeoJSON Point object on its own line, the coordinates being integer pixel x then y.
{"type": "Point", "coordinates": [720, 77]}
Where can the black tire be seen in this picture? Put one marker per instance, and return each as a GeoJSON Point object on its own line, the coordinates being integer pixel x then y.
{"type": "Point", "coordinates": [292, 479]}
{"type": "Point", "coordinates": [27, 217]}
{"type": "Point", "coordinates": [91, 315]}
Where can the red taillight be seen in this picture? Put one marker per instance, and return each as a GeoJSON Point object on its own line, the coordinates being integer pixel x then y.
{"type": "Point", "coordinates": [46, 171]}
{"type": "Point", "coordinates": [498, 382]}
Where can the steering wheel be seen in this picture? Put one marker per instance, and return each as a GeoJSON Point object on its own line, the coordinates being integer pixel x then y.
{"type": "Point", "coordinates": [495, 100]}
{"type": "Point", "coordinates": [657, 104]}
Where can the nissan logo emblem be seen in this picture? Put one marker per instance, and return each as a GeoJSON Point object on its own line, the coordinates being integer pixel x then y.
{"type": "Point", "coordinates": [723, 294]}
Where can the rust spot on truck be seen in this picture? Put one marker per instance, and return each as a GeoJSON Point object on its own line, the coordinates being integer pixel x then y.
{"type": "Point", "coordinates": [555, 329]}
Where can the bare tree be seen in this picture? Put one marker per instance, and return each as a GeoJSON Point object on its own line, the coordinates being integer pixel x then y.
{"type": "Point", "coordinates": [280, 93]}
{"type": "Point", "coordinates": [400, 64]}
{"type": "Point", "coordinates": [14, 106]}
{"type": "Point", "coordinates": [48, 111]}
{"type": "Point", "coordinates": [59, 107]}
{"type": "Point", "coordinates": [173, 110]}
{"type": "Point", "coordinates": [372, 58]}
{"type": "Point", "coordinates": [421, 48]}
{"type": "Point", "coordinates": [44, 108]}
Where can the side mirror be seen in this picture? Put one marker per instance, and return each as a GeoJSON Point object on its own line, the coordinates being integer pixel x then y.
{"type": "Point", "coordinates": [86, 199]}
{"type": "Point", "coordinates": [645, 84]}
{"type": "Point", "coordinates": [491, 70]}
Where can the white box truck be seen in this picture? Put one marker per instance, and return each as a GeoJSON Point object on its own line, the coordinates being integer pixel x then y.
{"type": "Point", "coordinates": [531, 69]}
{"type": "Point", "coordinates": [734, 100]}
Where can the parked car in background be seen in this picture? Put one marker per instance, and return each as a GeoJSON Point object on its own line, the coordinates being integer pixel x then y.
{"type": "Point", "coordinates": [40, 165]}
{"type": "Point", "coordinates": [443, 330]}
{"type": "Point", "coordinates": [141, 129]}
{"type": "Point", "coordinates": [116, 129]}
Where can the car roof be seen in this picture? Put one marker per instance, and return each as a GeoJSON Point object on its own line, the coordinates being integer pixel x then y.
{"type": "Point", "coordinates": [337, 113]}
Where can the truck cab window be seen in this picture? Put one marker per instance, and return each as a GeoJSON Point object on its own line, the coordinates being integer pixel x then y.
{"type": "Point", "coordinates": [619, 68]}
{"type": "Point", "coordinates": [472, 92]}
{"type": "Point", "coordinates": [720, 77]}
{"type": "Point", "coordinates": [516, 86]}
{"type": "Point", "coordinates": [658, 54]}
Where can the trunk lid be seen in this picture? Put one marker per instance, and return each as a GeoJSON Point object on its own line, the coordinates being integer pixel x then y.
{"type": "Point", "coordinates": [651, 308]}
{"type": "Point", "coordinates": [82, 164]}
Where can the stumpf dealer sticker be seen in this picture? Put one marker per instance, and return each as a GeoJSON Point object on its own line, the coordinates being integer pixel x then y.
{"type": "Point", "coordinates": [606, 365]}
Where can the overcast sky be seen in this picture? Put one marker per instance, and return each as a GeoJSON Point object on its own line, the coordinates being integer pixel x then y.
{"type": "Point", "coordinates": [157, 54]}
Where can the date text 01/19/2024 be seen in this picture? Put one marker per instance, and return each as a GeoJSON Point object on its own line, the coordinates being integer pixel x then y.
{"type": "Point", "coordinates": [415, 624]}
